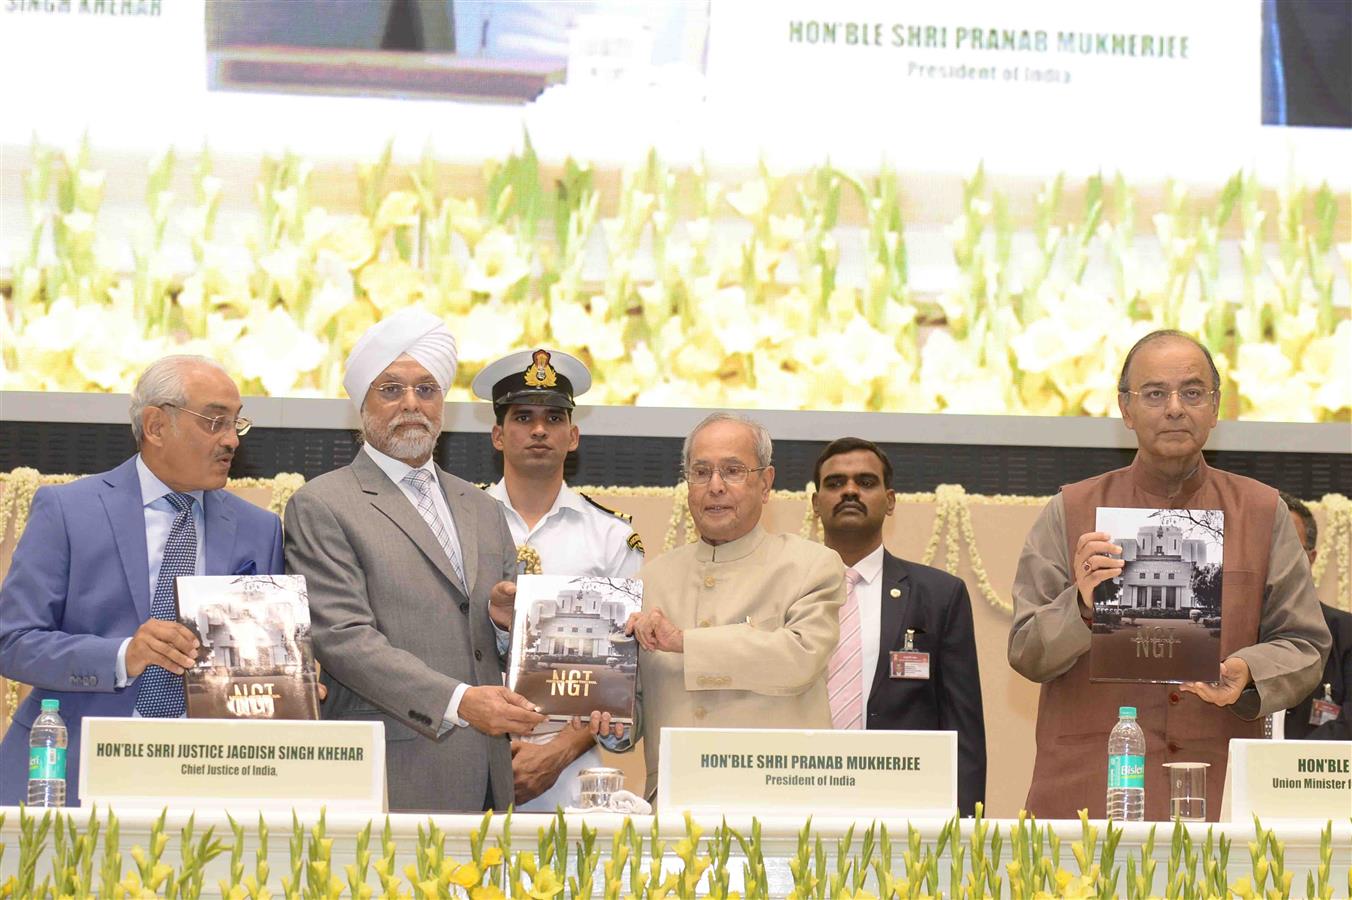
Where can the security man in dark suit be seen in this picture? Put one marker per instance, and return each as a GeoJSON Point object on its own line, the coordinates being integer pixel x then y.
{"type": "Point", "coordinates": [1324, 715]}
{"type": "Point", "coordinates": [907, 655]}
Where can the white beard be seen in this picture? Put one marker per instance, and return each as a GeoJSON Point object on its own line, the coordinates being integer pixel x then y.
{"type": "Point", "coordinates": [404, 445]}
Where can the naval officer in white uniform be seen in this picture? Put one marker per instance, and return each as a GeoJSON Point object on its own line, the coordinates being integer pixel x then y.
{"type": "Point", "coordinates": [533, 395]}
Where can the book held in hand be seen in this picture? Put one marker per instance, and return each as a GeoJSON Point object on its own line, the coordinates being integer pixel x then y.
{"type": "Point", "coordinates": [254, 660]}
{"type": "Point", "coordinates": [570, 654]}
{"type": "Point", "coordinates": [1160, 619]}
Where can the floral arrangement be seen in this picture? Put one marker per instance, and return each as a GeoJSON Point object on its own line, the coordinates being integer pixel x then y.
{"type": "Point", "coordinates": [559, 864]}
{"type": "Point", "coordinates": [952, 526]}
{"type": "Point", "coordinates": [689, 291]}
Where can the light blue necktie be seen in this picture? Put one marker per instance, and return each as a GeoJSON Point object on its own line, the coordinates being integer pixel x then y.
{"type": "Point", "coordinates": [160, 693]}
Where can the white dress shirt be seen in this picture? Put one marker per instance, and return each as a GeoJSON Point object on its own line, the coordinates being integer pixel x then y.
{"type": "Point", "coordinates": [869, 595]}
{"type": "Point", "coordinates": [575, 537]}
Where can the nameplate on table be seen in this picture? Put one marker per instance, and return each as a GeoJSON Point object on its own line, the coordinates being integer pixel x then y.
{"type": "Point", "coordinates": [759, 770]}
{"type": "Point", "coordinates": [1288, 780]}
{"type": "Point", "coordinates": [291, 764]}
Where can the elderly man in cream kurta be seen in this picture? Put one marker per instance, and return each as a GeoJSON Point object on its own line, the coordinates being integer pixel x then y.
{"type": "Point", "coordinates": [737, 628]}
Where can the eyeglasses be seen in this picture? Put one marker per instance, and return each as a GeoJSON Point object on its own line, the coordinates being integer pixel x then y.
{"type": "Point", "coordinates": [240, 424]}
{"type": "Point", "coordinates": [1188, 396]}
{"type": "Point", "coordinates": [393, 390]}
{"type": "Point", "coordinates": [732, 473]}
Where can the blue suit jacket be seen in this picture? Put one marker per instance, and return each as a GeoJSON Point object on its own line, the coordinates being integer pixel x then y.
{"type": "Point", "coordinates": [79, 584]}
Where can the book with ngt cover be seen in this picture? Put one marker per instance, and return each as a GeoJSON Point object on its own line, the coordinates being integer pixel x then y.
{"type": "Point", "coordinates": [570, 654]}
{"type": "Point", "coordinates": [255, 659]}
{"type": "Point", "coordinates": [1160, 620]}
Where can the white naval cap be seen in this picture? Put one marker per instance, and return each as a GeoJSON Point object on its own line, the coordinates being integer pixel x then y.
{"type": "Point", "coordinates": [537, 377]}
{"type": "Point", "coordinates": [411, 331]}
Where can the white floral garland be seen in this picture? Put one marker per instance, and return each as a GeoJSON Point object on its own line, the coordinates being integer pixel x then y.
{"type": "Point", "coordinates": [1335, 538]}
{"type": "Point", "coordinates": [952, 520]}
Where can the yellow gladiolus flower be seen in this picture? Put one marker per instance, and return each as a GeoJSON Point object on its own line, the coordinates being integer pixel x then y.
{"type": "Point", "coordinates": [497, 329]}
{"type": "Point", "coordinates": [1327, 367]}
{"type": "Point", "coordinates": [486, 892]}
{"type": "Point", "coordinates": [350, 238]}
{"type": "Point", "coordinates": [465, 219]}
{"type": "Point", "coordinates": [575, 328]}
{"type": "Point", "coordinates": [467, 875]}
{"type": "Point", "coordinates": [333, 292]}
{"type": "Point", "coordinates": [750, 199]}
{"type": "Point", "coordinates": [112, 350]}
{"type": "Point", "coordinates": [89, 189]}
{"type": "Point", "coordinates": [391, 285]}
{"type": "Point", "coordinates": [397, 209]}
{"type": "Point", "coordinates": [497, 265]}
{"type": "Point", "coordinates": [275, 351]}
{"type": "Point", "coordinates": [1265, 378]}
{"type": "Point", "coordinates": [545, 885]}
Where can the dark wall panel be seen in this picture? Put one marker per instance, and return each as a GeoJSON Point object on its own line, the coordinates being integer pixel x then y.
{"type": "Point", "coordinates": [53, 447]}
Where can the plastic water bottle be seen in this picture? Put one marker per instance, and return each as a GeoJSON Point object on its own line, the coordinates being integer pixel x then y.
{"type": "Point", "coordinates": [47, 757]}
{"type": "Point", "coordinates": [1126, 768]}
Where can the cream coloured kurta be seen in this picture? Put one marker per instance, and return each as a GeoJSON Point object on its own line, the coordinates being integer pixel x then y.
{"type": "Point", "coordinates": [760, 621]}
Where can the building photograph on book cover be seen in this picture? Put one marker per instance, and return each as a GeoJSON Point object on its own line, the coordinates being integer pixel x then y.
{"type": "Point", "coordinates": [1160, 619]}
{"type": "Point", "coordinates": [255, 658]}
{"type": "Point", "coordinates": [572, 655]}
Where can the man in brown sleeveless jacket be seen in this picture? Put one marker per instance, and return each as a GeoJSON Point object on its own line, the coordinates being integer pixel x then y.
{"type": "Point", "coordinates": [1273, 639]}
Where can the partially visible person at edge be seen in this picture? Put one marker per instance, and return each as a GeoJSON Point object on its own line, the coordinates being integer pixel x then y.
{"type": "Point", "coordinates": [87, 612]}
{"type": "Point", "coordinates": [1273, 639]}
{"type": "Point", "coordinates": [1323, 715]}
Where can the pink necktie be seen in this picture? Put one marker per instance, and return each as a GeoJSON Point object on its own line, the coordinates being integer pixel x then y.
{"type": "Point", "coordinates": [844, 684]}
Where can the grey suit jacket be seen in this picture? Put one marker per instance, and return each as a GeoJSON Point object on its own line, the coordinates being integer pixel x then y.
{"type": "Point", "coordinates": [394, 630]}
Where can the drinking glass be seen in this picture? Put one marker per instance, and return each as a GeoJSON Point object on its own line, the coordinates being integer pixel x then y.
{"type": "Point", "coordinates": [1187, 790]}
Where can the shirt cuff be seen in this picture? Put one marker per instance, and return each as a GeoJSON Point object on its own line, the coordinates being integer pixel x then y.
{"type": "Point", "coordinates": [1249, 704]}
{"type": "Point", "coordinates": [504, 639]}
{"type": "Point", "coordinates": [452, 718]}
{"type": "Point", "coordinates": [120, 670]}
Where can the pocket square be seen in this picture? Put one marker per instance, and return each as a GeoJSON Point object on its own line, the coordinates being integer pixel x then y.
{"type": "Point", "coordinates": [248, 567]}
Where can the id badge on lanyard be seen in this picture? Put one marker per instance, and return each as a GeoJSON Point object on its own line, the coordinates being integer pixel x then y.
{"type": "Point", "coordinates": [908, 662]}
{"type": "Point", "coordinates": [1324, 710]}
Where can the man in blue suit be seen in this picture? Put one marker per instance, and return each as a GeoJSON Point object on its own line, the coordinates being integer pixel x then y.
{"type": "Point", "coordinates": [86, 611]}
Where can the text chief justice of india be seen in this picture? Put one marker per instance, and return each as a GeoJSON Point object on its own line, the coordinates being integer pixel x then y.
{"type": "Point", "coordinates": [87, 612]}
{"type": "Point", "coordinates": [736, 628]}
{"type": "Point", "coordinates": [1273, 639]}
{"type": "Point", "coordinates": [409, 572]}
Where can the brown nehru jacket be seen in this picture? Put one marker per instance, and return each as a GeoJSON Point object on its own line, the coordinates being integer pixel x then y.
{"type": "Point", "coordinates": [1264, 593]}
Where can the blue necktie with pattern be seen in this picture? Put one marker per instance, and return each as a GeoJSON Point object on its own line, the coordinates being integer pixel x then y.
{"type": "Point", "coordinates": [160, 693]}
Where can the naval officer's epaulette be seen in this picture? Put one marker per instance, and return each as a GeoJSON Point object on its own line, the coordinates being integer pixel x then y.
{"type": "Point", "coordinates": [623, 517]}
